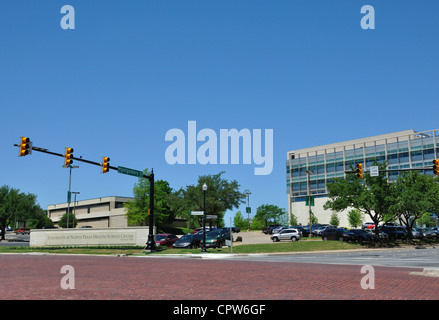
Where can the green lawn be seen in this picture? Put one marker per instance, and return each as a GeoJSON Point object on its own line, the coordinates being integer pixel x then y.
{"type": "Point", "coordinates": [300, 246]}
{"type": "Point", "coordinates": [274, 247]}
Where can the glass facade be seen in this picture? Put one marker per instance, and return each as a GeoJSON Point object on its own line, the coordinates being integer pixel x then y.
{"type": "Point", "coordinates": [405, 149]}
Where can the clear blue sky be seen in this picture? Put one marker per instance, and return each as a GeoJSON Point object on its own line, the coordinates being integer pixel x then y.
{"type": "Point", "coordinates": [132, 70]}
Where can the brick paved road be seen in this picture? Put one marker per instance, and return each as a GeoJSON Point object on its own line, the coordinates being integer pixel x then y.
{"type": "Point", "coordinates": [120, 278]}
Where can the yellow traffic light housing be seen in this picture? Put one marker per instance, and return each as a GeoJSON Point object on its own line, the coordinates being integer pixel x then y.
{"type": "Point", "coordinates": [105, 164]}
{"type": "Point", "coordinates": [360, 170]}
{"type": "Point", "coordinates": [68, 156]}
{"type": "Point", "coordinates": [25, 147]}
{"type": "Point", "coordinates": [436, 167]}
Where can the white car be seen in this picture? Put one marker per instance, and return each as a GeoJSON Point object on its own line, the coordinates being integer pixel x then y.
{"type": "Point", "coordinates": [286, 234]}
{"type": "Point", "coordinates": [368, 225]}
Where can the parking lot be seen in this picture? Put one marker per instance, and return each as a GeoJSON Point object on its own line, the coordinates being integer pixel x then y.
{"type": "Point", "coordinates": [15, 240]}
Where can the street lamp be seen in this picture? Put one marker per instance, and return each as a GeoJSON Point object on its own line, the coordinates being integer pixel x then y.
{"type": "Point", "coordinates": [70, 187]}
{"type": "Point", "coordinates": [74, 206]}
{"type": "Point", "coordinates": [204, 219]}
{"type": "Point", "coordinates": [248, 210]}
{"type": "Point", "coordinates": [308, 172]}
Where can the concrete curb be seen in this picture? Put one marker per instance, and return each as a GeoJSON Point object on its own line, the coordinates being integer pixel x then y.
{"type": "Point", "coordinates": [427, 272]}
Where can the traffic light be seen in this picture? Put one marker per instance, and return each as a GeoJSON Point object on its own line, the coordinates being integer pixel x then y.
{"type": "Point", "coordinates": [25, 147]}
{"type": "Point", "coordinates": [360, 170]}
{"type": "Point", "coordinates": [68, 156]}
{"type": "Point", "coordinates": [436, 167]}
{"type": "Point", "coordinates": [105, 164]}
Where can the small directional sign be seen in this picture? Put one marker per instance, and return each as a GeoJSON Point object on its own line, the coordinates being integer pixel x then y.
{"type": "Point", "coordinates": [197, 213]}
{"type": "Point", "coordinates": [374, 171]}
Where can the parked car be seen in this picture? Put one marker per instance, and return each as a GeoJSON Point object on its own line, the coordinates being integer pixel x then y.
{"type": "Point", "coordinates": [363, 235]}
{"type": "Point", "coordinates": [434, 232]}
{"type": "Point", "coordinates": [217, 238]}
{"type": "Point", "coordinates": [286, 234]}
{"type": "Point", "coordinates": [269, 229]}
{"type": "Point", "coordinates": [234, 229]}
{"type": "Point", "coordinates": [395, 232]}
{"type": "Point", "coordinates": [340, 234]}
{"type": "Point", "coordinates": [317, 232]}
{"type": "Point", "coordinates": [190, 241]}
{"type": "Point", "coordinates": [303, 232]}
{"type": "Point", "coordinates": [368, 225]}
{"type": "Point", "coordinates": [198, 230]}
{"type": "Point", "coordinates": [22, 230]}
{"type": "Point", "coordinates": [165, 239]}
{"type": "Point", "coordinates": [421, 233]}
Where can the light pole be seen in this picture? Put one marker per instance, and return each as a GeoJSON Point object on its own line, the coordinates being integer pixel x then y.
{"type": "Point", "coordinates": [308, 172]}
{"type": "Point", "coordinates": [74, 205]}
{"type": "Point", "coordinates": [204, 219]}
{"type": "Point", "coordinates": [248, 210]}
{"type": "Point", "coordinates": [69, 193]}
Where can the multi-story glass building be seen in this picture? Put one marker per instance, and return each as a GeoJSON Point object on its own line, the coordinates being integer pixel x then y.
{"type": "Point", "coordinates": [404, 149]}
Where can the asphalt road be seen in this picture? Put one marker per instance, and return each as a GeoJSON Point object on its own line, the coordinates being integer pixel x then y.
{"type": "Point", "coordinates": [409, 258]}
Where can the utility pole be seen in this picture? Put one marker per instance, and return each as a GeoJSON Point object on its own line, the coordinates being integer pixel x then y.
{"type": "Point", "coordinates": [308, 172]}
{"type": "Point", "coordinates": [248, 210]}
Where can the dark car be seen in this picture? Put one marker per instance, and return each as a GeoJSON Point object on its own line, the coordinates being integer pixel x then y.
{"type": "Point", "coordinates": [363, 235]}
{"type": "Point", "coordinates": [269, 229]}
{"type": "Point", "coordinates": [340, 234]}
{"type": "Point", "coordinates": [434, 232]}
{"type": "Point", "coordinates": [303, 232]}
{"type": "Point", "coordinates": [217, 238]}
{"type": "Point", "coordinates": [190, 241]}
{"type": "Point", "coordinates": [395, 232]}
{"type": "Point", "coordinates": [165, 239]}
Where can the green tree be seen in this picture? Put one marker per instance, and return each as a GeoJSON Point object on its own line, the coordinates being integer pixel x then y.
{"type": "Point", "coordinates": [335, 221]}
{"type": "Point", "coordinates": [221, 195]}
{"type": "Point", "coordinates": [372, 196]}
{"type": "Point", "coordinates": [256, 224]}
{"type": "Point", "coordinates": [239, 221]}
{"type": "Point", "coordinates": [355, 218]}
{"type": "Point", "coordinates": [40, 220]}
{"type": "Point", "coordinates": [73, 222]}
{"type": "Point", "coordinates": [271, 214]}
{"type": "Point", "coordinates": [293, 220]}
{"type": "Point", "coordinates": [137, 209]}
{"type": "Point", "coordinates": [16, 207]}
{"type": "Point", "coordinates": [415, 194]}
{"type": "Point", "coordinates": [427, 219]}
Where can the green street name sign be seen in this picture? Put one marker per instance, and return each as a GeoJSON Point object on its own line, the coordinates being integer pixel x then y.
{"type": "Point", "coordinates": [130, 172]}
{"type": "Point", "coordinates": [307, 199]}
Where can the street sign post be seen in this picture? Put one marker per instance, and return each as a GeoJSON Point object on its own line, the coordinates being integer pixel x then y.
{"type": "Point", "coordinates": [374, 171]}
{"type": "Point", "coordinates": [130, 172]}
{"type": "Point", "coordinates": [197, 213]}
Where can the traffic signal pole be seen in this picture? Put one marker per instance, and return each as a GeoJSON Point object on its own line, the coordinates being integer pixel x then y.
{"type": "Point", "coordinates": [395, 170]}
{"type": "Point", "coordinates": [150, 245]}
